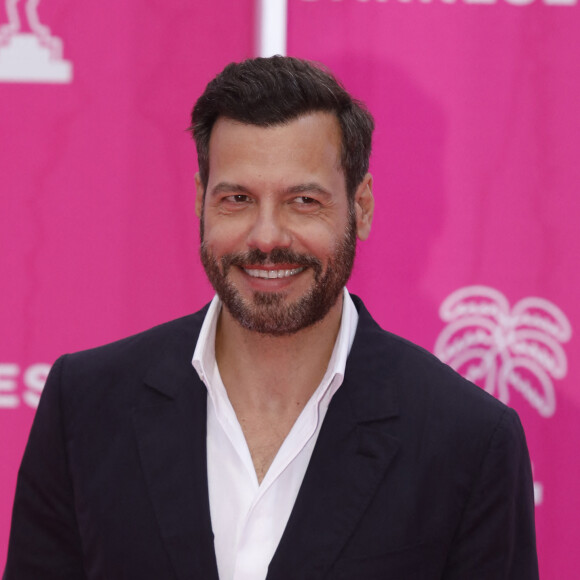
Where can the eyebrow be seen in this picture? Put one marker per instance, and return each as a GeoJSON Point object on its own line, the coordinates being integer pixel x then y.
{"type": "Point", "coordinates": [226, 187]}
{"type": "Point", "coordinates": [309, 187]}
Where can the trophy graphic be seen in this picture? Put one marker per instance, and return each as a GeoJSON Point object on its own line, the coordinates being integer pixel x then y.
{"type": "Point", "coordinates": [34, 56]}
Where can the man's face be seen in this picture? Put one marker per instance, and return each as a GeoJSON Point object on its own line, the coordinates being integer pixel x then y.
{"type": "Point", "coordinates": [278, 233]}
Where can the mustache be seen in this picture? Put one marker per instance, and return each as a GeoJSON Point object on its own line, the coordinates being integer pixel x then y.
{"type": "Point", "coordinates": [256, 257]}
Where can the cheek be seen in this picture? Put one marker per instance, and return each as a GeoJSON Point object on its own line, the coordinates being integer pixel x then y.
{"type": "Point", "coordinates": [223, 238]}
{"type": "Point", "coordinates": [321, 239]}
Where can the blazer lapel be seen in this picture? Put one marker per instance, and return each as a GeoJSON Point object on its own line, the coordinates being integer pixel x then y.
{"type": "Point", "coordinates": [351, 457]}
{"type": "Point", "coordinates": [170, 425]}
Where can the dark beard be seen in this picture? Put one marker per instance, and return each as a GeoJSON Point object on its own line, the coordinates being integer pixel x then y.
{"type": "Point", "coordinates": [267, 312]}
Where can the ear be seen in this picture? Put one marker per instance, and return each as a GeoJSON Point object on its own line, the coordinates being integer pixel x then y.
{"type": "Point", "coordinates": [364, 204]}
{"type": "Point", "coordinates": [199, 195]}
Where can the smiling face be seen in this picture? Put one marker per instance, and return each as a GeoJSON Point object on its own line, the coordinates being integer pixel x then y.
{"type": "Point", "coordinates": [278, 232]}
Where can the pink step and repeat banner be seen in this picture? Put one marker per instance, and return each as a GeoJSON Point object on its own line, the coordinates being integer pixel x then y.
{"type": "Point", "coordinates": [475, 249]}
{"type": "Point", "coordinates": [98, 235]}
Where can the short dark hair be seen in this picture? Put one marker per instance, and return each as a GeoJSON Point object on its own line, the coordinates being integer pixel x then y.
{"type": "Point", "coordinates": [275, 90]}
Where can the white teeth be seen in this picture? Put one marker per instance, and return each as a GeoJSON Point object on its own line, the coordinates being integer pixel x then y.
{"type": "Point", "coordinates": [272, 273]}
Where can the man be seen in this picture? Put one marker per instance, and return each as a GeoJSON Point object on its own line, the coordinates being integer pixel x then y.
{"type": "Point", "coordinates": [279, 432]}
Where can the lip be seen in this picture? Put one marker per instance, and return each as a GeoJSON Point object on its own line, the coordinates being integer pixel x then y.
{"type": "Point", "coordinates": [278, 272]}
{"type": "Point", "coordinates": [261, 277]}
{"type": "Point", "coordinates": [281, 266]}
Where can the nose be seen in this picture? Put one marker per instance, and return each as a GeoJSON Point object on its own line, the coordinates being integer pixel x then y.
{"type": "Point", "coordinates": [268, 230]}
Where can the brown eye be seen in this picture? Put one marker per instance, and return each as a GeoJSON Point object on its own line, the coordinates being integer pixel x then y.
{"type": "Point", "coordinates": [237, 198]}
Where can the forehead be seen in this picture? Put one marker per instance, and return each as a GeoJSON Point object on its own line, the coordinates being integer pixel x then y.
{"type": "Point", "coordinates": [309, 144]}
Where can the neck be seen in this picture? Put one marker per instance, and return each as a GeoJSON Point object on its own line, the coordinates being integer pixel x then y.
{"type": "Point", "coordinates": [266, 372]}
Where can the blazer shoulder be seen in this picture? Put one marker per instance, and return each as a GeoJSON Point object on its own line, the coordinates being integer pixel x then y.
{"type": "Point", "coordinates": [138, 349]}
{"type": "Point", "coordinates": [421, 380]}
{"type": "Point", "coordinates": [114, 373]}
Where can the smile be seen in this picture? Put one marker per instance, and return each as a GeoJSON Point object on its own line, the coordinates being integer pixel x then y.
{"type": "Point", "coordinates": [255, 273]}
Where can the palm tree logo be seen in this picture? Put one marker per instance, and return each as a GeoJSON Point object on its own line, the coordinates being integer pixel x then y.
{"type": "Point", "coordinates": [498, 347]}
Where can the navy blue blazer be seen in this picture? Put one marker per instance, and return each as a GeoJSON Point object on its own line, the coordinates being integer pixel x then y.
{"type": "Point", "coordinates": [416, 475]}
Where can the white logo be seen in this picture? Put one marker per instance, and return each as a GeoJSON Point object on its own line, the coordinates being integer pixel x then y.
{"type": "Point", "coordinates": [502, 348]}
{"type": "Point", "coordinates": [30, 379]}
{"type": "Point", "coordinates": [30, 57]}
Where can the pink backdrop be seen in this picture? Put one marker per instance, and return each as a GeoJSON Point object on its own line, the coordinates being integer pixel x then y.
{"type": "Point", "coordinates": [478, 131]}
{"type": "Point", "coordinates": [98, 235]}
{"type": "Point", "coordinates": [476, 181]}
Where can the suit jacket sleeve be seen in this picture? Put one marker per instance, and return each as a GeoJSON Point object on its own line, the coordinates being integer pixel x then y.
{"type": "Point", "coordinates": [44, 539]}
{"type": "Point", "coordinates": [496, 537]}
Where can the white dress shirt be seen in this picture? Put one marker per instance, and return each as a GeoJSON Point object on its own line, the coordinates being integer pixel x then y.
{"type": "Point", "coordinates": [248, 518]}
